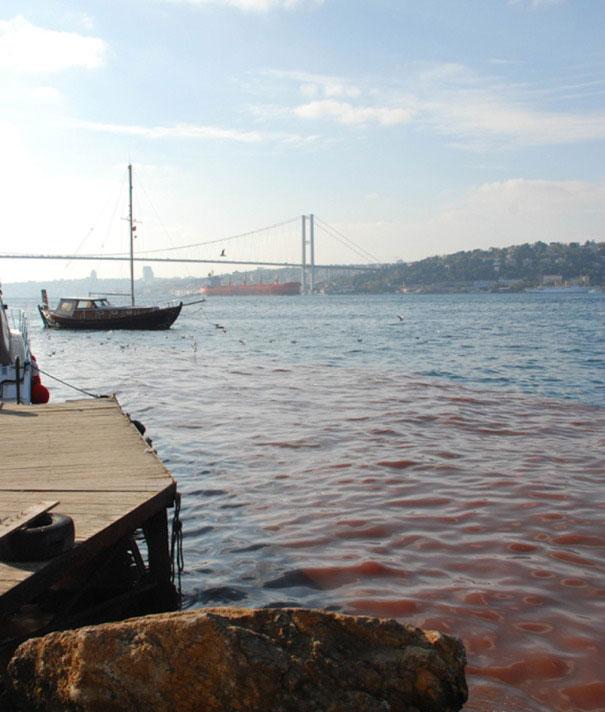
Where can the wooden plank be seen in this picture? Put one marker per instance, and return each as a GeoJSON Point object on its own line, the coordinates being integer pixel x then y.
{"type": "Point", "coordinates": [10, 575]}
{"type": "Point", "coordinates": [88, 455]}
{"type": "Point", "coordinates": [80, 504]}
{"type": "Point", "coordinates": [9, 523]}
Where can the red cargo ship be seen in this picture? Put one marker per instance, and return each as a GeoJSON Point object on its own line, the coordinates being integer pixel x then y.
{"type": "Point", "coordinates": [248, 290]}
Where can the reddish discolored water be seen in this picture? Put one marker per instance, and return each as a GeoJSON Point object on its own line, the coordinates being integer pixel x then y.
{"type": "Point", "coordinates": [475, 514]}
{"type": "Point", "coordinates": [364, 485]}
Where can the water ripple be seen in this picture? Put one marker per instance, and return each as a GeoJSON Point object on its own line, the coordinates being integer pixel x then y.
{"type": "Point", "coordinates": [451, 487]}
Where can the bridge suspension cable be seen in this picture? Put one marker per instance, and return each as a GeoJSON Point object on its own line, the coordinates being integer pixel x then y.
{"type": "Point", "coordinates": [343, 239]}
{"type": "Point", "coordinates": [218, 240]}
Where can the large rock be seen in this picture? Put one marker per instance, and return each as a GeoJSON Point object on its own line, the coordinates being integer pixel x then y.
{"type": "Point", "coordinates": [239, 659]}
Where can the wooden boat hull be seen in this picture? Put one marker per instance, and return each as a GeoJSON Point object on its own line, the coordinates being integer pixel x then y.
{"type": "Point", "coordinates": [140, 318]}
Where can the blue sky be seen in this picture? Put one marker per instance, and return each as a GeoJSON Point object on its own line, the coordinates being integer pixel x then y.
{"type": "Point", "coordinates": [414, 128]}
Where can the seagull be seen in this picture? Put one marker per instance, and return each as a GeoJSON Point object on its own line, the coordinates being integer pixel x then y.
{"type": "Point", "coordinates": [223, 254]}
{"type": "Point", "coordinates": [399, 317]}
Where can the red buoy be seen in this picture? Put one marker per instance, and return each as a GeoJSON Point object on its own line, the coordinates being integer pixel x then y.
{"type": "Point", "coordinates": [40, 393]}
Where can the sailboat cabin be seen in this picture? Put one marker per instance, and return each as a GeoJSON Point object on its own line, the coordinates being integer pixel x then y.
{"type": "Point", "coordinates": [69, 307]}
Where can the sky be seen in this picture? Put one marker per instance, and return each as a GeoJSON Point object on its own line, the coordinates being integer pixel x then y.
{"type": "Point", "coordinates": [408, 127]}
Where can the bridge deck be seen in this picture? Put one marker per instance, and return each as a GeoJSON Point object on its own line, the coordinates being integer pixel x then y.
{"type": "Point", "coordinates": [88, 456]}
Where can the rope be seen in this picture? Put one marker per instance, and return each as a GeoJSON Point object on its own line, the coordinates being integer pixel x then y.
{"type": "Point", "coordinates": [140, 184]}
{"type": "Point", "coordinates": [69, 385]}
{"type": "Point", "coordinates": [177, 557]}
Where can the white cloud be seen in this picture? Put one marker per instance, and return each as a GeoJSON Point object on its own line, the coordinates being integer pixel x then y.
{"type": "Point", "coordinates": [27, 48]}
{"type": "Point", "coordinates": [335, 99]}
{"type": "Point", "coordinates": [495, 214]}
{"type": "Point", "coordinates": [86, 21]}
{"type": "Point", "coordinates": [485, 112]}
{"type": "Point", "coordinates": [252, 5]}
{"type": "Point", "coordinates": [536, 3]}
{"type": "Point", "coordinates": [478, 119]}
{"type": "Point", "coordinates": [477, 112]}
{"type": "Point", "coordinates": [520, 196]}
{"type": "Point", "coordinates": [512, 212]}
{"type": "Point", "coordinates": [191, 131]}
{"type": "Point", "coordinates": [506, 62]}
{"type": "Point", "coordinates": [330, 89]}
{"type": "Point", "coordinates": [346, 113]}
{"type": "Point", "coordinates": [317, 84]}
{"type": "Point", "coordinates": [45, 95]}
{"type": "Point", "coordinates": [178, 131]}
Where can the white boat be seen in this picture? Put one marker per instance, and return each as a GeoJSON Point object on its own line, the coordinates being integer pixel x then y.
{"type": "Point", "coordinates": [19, 375]}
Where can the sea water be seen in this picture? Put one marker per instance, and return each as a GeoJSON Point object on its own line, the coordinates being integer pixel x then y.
{"type": "Point", "coordinates": [438, 459]}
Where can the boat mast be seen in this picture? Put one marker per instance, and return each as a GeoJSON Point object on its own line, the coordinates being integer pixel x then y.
{"type": "Point", "coordinates": [131, 225]}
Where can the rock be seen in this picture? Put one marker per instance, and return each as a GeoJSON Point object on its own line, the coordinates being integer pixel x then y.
{"type": "Point", "coordinates": [287, 660]}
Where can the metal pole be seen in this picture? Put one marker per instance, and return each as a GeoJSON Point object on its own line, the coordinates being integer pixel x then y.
{"type": "Point", "coordinates": [131, 225]}
{"type": "Point", "coordinates": [18, 380]}
{"type": "Point", "coordinates": [303, 262]}
{"type": "Point", "coordinates": [312, 239]}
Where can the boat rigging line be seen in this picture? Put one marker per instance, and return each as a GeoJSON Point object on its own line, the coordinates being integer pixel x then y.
{"type": "Point", "coordinates": [94, 225]}
{"type": "Point", "coordinates": [140, 184]}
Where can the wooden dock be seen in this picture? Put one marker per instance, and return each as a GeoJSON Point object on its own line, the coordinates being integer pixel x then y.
{"type": "Point", "coordinates": [88, 456]}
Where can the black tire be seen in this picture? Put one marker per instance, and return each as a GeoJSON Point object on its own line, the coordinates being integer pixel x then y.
{"type": "Point", "coordinates": [138, 425]}
{"type": "Point", "coordinates": [43, 538]}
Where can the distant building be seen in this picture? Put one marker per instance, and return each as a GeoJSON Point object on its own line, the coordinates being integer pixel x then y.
{"type": "Point", "coordinates": [483, 285]}
{"type": "Point", "coordinates": [147, 274]}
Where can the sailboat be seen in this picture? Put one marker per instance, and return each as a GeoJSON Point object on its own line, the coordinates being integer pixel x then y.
{"type": "Point", "coordinates": [99, 313]}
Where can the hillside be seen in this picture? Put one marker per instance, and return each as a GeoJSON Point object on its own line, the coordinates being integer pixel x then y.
{"type": "Point", "coordinates": [508, 268]}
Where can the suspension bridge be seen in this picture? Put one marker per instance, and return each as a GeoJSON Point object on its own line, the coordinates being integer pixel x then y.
{"type": "Point", "coordinates": [305, 243]}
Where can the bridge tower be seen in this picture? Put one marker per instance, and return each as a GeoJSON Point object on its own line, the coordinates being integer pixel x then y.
{"type": "Point", "coordinates": [307, 269]}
